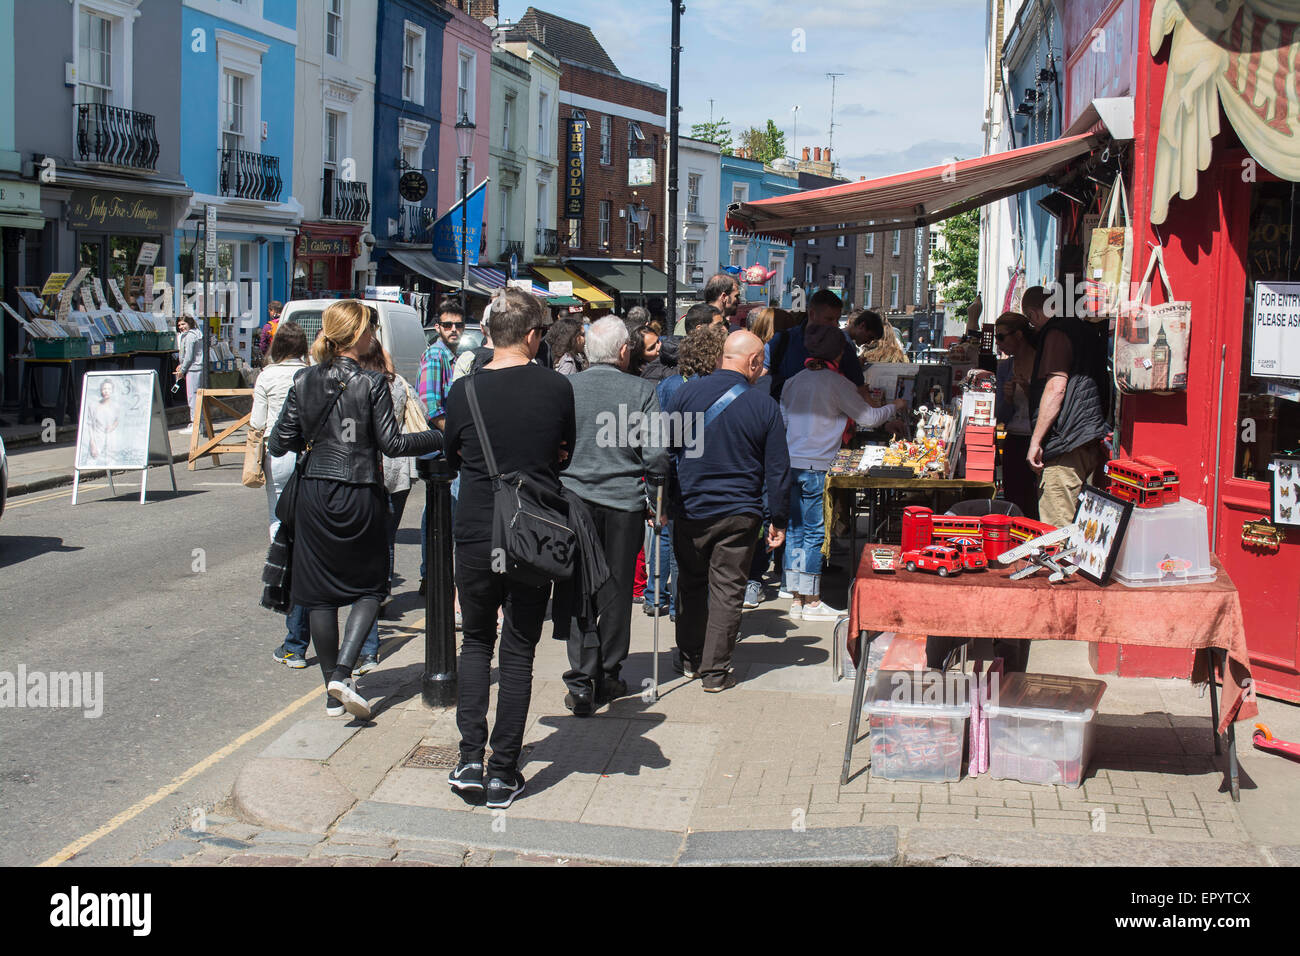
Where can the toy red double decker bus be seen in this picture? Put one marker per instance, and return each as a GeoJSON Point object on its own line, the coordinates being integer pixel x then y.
{"type": "Point", "coordinates": [1170, 491]}
{"type": "Point", "coordinates": [1134, 481]}
{"type": "Point", "coordinates": [945, 528]}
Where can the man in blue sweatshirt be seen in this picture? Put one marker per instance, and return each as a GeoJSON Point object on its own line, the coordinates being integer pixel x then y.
{"type": "Point", "coordinates": [730, 447]}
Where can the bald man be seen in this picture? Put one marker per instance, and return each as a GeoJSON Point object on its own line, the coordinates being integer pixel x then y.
{"type": "Point", "coordinates": [731, 448]}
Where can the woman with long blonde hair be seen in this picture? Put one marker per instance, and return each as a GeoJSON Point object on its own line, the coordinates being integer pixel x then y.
{"type": "Point", "coordinates": [342, 417]}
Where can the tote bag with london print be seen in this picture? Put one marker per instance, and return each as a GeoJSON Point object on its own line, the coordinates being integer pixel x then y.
{"type": "Point", "coordinates": [1152, 341]}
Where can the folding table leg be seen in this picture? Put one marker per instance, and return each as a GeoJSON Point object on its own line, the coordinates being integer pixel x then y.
{"type": "Point", "coordinates": [1214, 704]}
{"type": "Point", "coordinates": [1234, 776]}
{"type": "Point", "coordinates": [859, 691]}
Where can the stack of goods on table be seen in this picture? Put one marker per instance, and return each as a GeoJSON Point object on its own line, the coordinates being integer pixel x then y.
{"type": "Point", "coordinates": [980, 432]}
{"type": "Point", "coordinates": [1166, 541]}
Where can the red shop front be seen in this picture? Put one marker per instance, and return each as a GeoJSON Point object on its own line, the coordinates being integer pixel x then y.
{"type": "Point", "coordinates": [324, 254]}
{"type": "Point", "coordinates": [1215, 182]}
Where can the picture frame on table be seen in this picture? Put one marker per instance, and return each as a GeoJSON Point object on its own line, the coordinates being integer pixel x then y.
{"type": "Point", "coordinates": [1284, 491]}
{"type": "Point", "coordinates": [1101, 520]}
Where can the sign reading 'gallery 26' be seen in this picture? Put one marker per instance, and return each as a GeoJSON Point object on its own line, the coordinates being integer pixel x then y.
{"type": "Point", "coordinates": [576, 139]}
{"type": "Point", "coordinates": [96, 209]}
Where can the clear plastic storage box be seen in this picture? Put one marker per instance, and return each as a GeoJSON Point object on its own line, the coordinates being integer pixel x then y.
{"type": "Point", "coordinates": [1041, 728]}
{"type": "Point", "coordinates": [918, 724]}
{"type": "Point", "coordinates": [1164, 546]}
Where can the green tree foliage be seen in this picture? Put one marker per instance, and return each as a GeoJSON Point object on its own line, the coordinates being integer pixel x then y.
{"type": "Point", "coordinates": [775, 142]}
{"type": "Point", "coordinates": [764, 144]}
{"type": "Point", "coordinates": [956, 267]}
{"type": "Point", "coordinates": [718, 132]}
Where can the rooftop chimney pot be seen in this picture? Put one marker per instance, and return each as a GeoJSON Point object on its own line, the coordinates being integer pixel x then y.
{"type": "Point", "coordinates": [805, 154]}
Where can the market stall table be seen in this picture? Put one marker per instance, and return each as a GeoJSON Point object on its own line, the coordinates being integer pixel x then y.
{"type": "Point", "coordinates": [70, 371]}
{"type": "Point", "coordinates": [863, 482]}
{"type": "Point", "coordinates": [1204, 617]}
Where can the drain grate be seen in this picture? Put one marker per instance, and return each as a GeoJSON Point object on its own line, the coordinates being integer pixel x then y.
{"type": "Point", "coordinates": [432, 758]}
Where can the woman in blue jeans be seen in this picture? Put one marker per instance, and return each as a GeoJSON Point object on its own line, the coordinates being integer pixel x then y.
{"type": "Point", "coordinates": [816, 405]}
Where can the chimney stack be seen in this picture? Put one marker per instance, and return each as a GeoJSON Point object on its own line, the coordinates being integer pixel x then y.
{"type": "Point", "coordinates": [817, 153]}
{"type": "Point", "coordinates": [862, 179]}
{"type": "Point", "coordinates": [805, 154]}
{"type": "Point", "coordinates": [828, 154]}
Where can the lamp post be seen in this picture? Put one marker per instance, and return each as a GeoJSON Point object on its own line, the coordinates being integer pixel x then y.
{"type": "Point", "coordinates": [464, 147]}
{"type": "Point", "coordinates": [641, 214]}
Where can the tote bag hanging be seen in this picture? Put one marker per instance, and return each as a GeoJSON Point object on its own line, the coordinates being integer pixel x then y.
{"type": "Point", "coordinates": [1152, 341]}
{"type": "Point", "coordinates": [1110, 259]}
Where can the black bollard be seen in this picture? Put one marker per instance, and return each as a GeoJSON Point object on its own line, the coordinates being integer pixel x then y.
{"type": "Point", "coordinates": [438, 682]}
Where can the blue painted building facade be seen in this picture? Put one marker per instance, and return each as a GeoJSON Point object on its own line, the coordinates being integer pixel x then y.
{"type": "Point", "coordinates": [748, 180]}
{"type": "Point", "coordinates": [408, 109]}
{"type": "Point", "coordinates": [237, 134]}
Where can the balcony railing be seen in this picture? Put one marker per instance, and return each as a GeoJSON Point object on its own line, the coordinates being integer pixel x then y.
{"type": "Point", "coordinates": [116, 136]}
{"type": "Point", "coordinates": [343, 199]}
{"type": "Point", "coordinates": [246, 175]}
{"type": "Point", "coordinates": [413, 223]}
{"type": "Point", "coordinates": [548, 242]}
{"type": "Point", "coordinates": [509, 246]}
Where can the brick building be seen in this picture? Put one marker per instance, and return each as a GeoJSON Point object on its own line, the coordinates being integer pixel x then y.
{"type": "Point", "coordinates": [892, 270]}
{"type": "Point", "coordinates": [625, 156]}
{"type": "Point", "coordinates": [829, 262]}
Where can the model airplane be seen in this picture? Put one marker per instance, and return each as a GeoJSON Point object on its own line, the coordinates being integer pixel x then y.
{"type": "Point", "coordinates": [1035, 552]}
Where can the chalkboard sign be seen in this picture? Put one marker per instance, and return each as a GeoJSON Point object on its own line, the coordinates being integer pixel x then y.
{"type": "Point", "coordinates": [121, 426]}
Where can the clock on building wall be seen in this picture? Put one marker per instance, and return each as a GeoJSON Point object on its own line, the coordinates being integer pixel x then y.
{"type": "Point", "coordinates": [413, 187]}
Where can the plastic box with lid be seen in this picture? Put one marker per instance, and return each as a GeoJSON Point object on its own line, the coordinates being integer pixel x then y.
{"type": "Point", "coordinates": [918, 724]}
{"type": "Point", "coordinates": [1169, 545]}
{"type": "Point", "coordinates": [1041, 728]}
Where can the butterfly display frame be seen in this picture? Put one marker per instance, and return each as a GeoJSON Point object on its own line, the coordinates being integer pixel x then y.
{"type": "Point", "coordinates": [1284, 491]}
{"type": "Point", "coordinates": [1102, 520]}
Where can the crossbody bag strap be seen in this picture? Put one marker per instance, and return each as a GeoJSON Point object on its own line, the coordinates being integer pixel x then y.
{"type": "Point", "coordinates": [720, 406]}
{"type": "Point", "coordinates": [477, 414]}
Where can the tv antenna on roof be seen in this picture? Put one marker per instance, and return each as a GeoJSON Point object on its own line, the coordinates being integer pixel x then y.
{"type": "Point", "coordinates": [830, 139]}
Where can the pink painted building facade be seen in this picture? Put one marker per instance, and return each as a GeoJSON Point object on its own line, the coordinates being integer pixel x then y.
{"type": "Point", "coordinates": [466, 88]}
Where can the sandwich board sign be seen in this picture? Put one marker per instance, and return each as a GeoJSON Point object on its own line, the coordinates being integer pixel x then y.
{"type": "Point", "coordinates": [121, 427]}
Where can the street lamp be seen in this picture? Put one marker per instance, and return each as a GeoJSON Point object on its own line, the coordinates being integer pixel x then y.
{"type": "Point", "coordinates": [464, 147]}
{"type": "Point", "coordinates": [641, 214]}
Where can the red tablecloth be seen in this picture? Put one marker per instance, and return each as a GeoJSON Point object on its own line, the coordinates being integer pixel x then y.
{"type": "Point", "coordinates": [989, 604]}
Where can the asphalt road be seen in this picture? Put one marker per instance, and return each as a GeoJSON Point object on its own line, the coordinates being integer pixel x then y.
{"type": "Point", "coordinates": [162, 600]}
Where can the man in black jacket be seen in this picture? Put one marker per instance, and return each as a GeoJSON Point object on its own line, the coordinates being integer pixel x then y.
{"type": "Point", "coordinates": [1068, 402]}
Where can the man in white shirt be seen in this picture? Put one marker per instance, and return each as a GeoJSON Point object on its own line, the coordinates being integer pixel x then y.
{"type": "Point", "coordinates": [816, 405]}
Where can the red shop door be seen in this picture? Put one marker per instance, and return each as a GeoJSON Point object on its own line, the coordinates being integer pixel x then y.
{"type": "Point", "coordinates": [1264, 221]}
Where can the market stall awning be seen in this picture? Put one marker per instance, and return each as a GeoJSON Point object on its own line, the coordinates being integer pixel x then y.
{"type": "Point", "coordinates": [917, 198]}
{"type": "Point", "coordinates": [583, 289]}
{"type": "Point", "coordinates": [623, 276]}
{"type": "Point", "coordinates": [496, 279]}
{"type": "Point", "coordinates": [444, 273]}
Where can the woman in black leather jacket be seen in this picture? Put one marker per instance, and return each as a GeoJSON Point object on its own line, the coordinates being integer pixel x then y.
{"type": "Point", "coordinates": [344, 416]}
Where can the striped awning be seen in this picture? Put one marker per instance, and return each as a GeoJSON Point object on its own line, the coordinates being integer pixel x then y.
{"type": "Point", "coordinates": [583, 289]}
{"type": "Point", "coordinates": [496, 279]}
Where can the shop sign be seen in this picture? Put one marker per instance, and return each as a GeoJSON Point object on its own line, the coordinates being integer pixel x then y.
{"type": "Point", "coordinates": [1101, 52]}
{"type": "Point", "coordinates": [1239, 55]}
{"type": "Point", "coordinates": [575, 157]}
{"type": "Point", "coordinates": [319, 246]}
{"type": "Point", "coordinates": [112, 211]}
{"type": "Point", "coordinates": [557, 289]}
{"type": "Point", "coordinates": [1275, 340]}
{"type": "Point", "coordinates": [55, 283]}
{"type": "Point", "coordinates": [148, 254]}
{"type": "Point", "coordinates": [384, 293]}
{"type": "Point", "coordinates": [640, 172]}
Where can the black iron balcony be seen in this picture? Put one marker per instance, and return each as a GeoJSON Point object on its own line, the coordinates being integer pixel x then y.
{"type": "Point", "coordinates": [413, 223]}
{"type": "Point", "coordinates": [548, 242]}
{"type": "Point", "coordinates": [246, 175]}
{"type": "Point", "coordinates": [512, 246]}
{"type": "Point", "coordinates": [343, 199]}
{"type": "Point", "coordinates": [116, 136]}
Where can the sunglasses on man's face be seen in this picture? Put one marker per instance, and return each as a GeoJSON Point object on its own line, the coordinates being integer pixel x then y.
{"type": "Point", "coordinates": [453, 325]}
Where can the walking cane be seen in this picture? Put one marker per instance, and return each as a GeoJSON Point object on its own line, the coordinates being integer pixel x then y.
{"type": "Point", "coordinates": [659, 581]}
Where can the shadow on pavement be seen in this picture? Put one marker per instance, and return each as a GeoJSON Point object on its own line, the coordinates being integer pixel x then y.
{"type": "Point", "coordinates": [15, 549]}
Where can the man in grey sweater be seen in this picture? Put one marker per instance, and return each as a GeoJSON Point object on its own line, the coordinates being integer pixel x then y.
{"type": "Point", "coordinates": [617, 454]}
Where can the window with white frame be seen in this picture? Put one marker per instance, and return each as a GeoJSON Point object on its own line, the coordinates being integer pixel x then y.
{"type": "Point", "coordinates": [543, 112]}
{"type": "Point", "coordinates": [603, 236]}
{"type": "Point", "coordinates": [866, 290]}
{"type": "Point", "coordinates": [411, 138]}
{"type": "Point", "coordinates": [507, 119]}
{"type": "Point", "coordinates": [692, 257]}
{"type": "Point", "coordinates": [335, 138]}
{"type": "Point", "coordinates": [95, 59]}
{"type": "Point", "coordinates": [413, 63]}
{"type": "Point", "coordinates": [239, 68]}
{"type": "Point", "coordinates": [503, 199]}
{"type": "Point", "coordinates": [465, 84]}
{"type": "Point", "coordinates": [635, 139]}
{"type": "Point", "coordinates": [334, 28]}
{"type": "Point", "coordinates": [606, 140]}
{"type": "Point", "coordinates": [575, 233]}
{"type": "Point", "coordinates": [693, 194]}
{"type": "Point", "coordinates": [543, 205]}
{"type": "Point", "coordinates": [630, 232]}
{"type": "Point", "coordinates": [893, 290]}
{"type": "Point", "coordinates": [234, 111]}
{"type": "Point", "coordinates": [777, 283]}
{"type": "Point", "coordinates": [934, 241]}
{"type": "Point", "coordinates": [898, 242]}
{"type": "Point", "coordinates": [870, 247]}
{"type": "Point", "coordinates": [738, 253]}
{"type": "Point", "coordinates": [841, 240]}
{"type": "Point", "coordinates": [740, 192]}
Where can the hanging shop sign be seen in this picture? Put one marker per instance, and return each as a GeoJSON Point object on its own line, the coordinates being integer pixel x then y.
{"type": "Point", "coordinates": [114, 211]}
{"type": "Point", "coordinates": [446, 231]}
{"type": "Point", "coordinates": [1275, 339]}
{"type": "Point", "coordinates": [322, 246]}
{"type": "Point", "coordinates": [413, 187]}
{"type": "Point", "coordinates": [1240, 55]}
{"type": "Point", "coordinates": [640, 172]}
{"type": "Point", "coordinates": [575, 158]}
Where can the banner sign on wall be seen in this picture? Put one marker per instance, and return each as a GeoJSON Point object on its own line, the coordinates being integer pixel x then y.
{"type": "Point", "coordinates": [575, 157]}
{"type": "Point", "coordinates": [446, 231]}
{"type": "Point", "coordinates": [110, 211]}
{"type": "Point", "coordinates": [1275, 340]}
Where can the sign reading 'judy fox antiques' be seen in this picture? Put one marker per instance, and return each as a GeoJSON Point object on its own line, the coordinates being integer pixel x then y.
{"type": "Point", "coordinates": [102, 209]}
{"type": "Point", "coordinates": [576, 139]}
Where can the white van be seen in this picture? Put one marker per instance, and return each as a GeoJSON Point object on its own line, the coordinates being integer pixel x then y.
{"type": "Point", "coordinates": [400, 331]}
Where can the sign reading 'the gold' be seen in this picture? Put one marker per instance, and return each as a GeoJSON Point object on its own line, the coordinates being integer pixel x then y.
{"type": "Point", "coordinates": [576, 139]}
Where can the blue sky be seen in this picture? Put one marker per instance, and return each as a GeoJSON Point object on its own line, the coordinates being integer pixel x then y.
{"type": "Point", "coordinates": [913, 69]}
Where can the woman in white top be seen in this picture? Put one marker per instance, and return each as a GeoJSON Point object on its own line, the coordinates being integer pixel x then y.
{"type": "Point", "coordinates": [816, 404]}
{"type": "Point", "coordinates": [288, 358]}
{"type": "Point", "coordinates": [188, 345]}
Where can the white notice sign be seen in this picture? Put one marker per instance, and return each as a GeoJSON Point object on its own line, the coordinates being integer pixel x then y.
{"type": "Point", "coordinates": [121, 426]}
{"type": "Point", "coordinates": [1275, 343]}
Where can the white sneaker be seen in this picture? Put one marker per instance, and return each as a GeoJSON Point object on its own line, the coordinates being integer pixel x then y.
{"type": "Point", "coordinates": [821, 612]}
{"type": "Point", "coordinates": [796, 610]}
{"type": "Point", "coordinates": [355, 704]}
{"type": "Point", "coordinates": [784, 595]}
